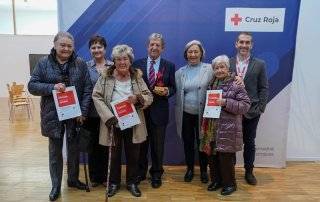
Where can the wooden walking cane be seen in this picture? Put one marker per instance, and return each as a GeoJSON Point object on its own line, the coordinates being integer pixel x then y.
{"type": "Point", "coordinates": [109, 162]}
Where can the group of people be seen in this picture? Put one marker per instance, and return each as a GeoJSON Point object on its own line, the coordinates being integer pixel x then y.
{"type": "Point", "coordinates": [148, 83]}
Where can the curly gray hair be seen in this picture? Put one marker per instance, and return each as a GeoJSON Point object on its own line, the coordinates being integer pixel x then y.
{"type": "Point", "coordinates": [122, 50]}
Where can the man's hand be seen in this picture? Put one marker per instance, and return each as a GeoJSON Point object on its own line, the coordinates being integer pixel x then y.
{"type": "Point", "coordinates": [162, 91]}
{"type": "Point", "coordinates": [80, 119]}
{"type": "Point", "coordinates": [60, 87]}
{"type": "Point", "coordinates": [239, 81]}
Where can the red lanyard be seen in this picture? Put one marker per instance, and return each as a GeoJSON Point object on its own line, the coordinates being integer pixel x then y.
{"type": "Point", "coordinates": [244, 69]}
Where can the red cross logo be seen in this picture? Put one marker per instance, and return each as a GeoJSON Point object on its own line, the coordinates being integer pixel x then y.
{"type": "Point", "coordinates": [236, 19]}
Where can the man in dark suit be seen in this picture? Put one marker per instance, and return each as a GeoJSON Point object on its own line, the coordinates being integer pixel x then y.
{"type": "Point", "coordinates": [253, 72]}
{"type": "Point", "coordinates": [158, 74]}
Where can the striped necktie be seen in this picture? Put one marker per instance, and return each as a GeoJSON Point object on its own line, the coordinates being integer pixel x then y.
{"type": "Point", "coordinates": [152, 74]}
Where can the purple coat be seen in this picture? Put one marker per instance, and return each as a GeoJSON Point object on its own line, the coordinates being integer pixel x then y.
{"type": "Point", "coordinates": [229, 125]}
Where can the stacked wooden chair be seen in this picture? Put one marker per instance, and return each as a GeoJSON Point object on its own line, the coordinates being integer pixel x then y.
{"type": "Point", "coordinates": [18, 98]}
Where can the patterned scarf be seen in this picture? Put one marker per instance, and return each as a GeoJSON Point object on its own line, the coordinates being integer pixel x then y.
{"type": "Point", "coordinates": [208, 128]}
{"type": "Point", "coordinates": [209, 125]}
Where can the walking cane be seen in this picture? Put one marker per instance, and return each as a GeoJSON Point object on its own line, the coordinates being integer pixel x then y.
{"type": "Point", "coordinates": [109, 162]}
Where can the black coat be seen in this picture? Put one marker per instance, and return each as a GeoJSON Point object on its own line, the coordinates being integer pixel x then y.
{"type": "Point", "coordinates": [45, 75]}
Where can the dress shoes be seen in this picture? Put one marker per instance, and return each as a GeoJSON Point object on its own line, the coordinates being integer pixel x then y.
{"type": "Point", "coordinates": [250, 178]}
{"type": "Point", "coordinates": [188, 176]}
{"type": "Point", "coordinates": [228, 190]}
{"type": "Point", "coordinates": [213, 186]}
{"type": "Point", "coordinates": [204, 177]}
{"type": "Point", "coordinates": [113, 189]}
{"type": "Point", "coordinates": [134, 190]}
{"type": "Point", "coordinates": [156, 183]}
{"type": "Point", "coordinates": [54, 194]}
{"type": "Point", "coordinates": [77, 184]}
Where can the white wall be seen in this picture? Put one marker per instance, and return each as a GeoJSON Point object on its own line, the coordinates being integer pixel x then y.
{"type": "Point", "coordinates": [14, 53]}
{"type": "Point", "coordinates": [304, 127]}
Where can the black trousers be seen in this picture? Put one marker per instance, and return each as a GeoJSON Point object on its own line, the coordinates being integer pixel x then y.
{"type": "Point", "coordinates": [132, 157]}
{"type": "Point", "coordinates": [98, 154]}
{"type": "Point", "coordinates": [156, 140]}
{"type": "Point", "coordinates": [56, 159]}
{"type": "Point", "coordinates": [222, 168]}
{"type": "Point", "coordinates": [190, 133]}
{"type": "Point", "coordinates": [249, 127]}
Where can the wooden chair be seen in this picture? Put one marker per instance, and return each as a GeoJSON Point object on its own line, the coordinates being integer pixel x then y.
{"type": "Point", "coordinates": [18, 99]}
{"type": "Point", "coordinates": [20, 93]}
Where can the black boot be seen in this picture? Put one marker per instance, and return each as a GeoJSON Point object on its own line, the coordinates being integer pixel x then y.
{"type": "Point", "coordinates": [134, 190]}
{"type": "Point", "coordinates": [228, 190]}
{"type": "Point", "coordinates": [213, 186]}
{"type": "Point", "coordinates": [204, 177]}
{"type": "Point", "coordinates": [54, 194]}
{"type": "Point", "coordinates": [250, 178]}
{"type": "Point", "coordinates": [188, 176]}
{"type": "Point", "coordinates": [113, 189]}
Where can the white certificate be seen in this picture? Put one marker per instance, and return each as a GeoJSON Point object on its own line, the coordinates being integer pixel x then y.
{"type": "Point", "coordinates": [67, 103]}
{"type": "Point", "coordinates": [126, 113]}
{"type": "Point", "coordinates": [212, 109]}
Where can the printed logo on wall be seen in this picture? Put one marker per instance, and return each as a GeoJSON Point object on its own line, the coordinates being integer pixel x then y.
{"type": "Point", "coordinates": [254, 19]}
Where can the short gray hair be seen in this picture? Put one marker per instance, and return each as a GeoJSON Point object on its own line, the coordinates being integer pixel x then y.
{"type": "Point", "coordinates": [62, 34]}
{"type": "Point", "coordinates": [221, 59]}
{"type": "Point", "coordinates": [191, 43]}
{"type": "Point", "coordinates": [156, 36]}
{"type": "Point", "coordinates": [122, 50]}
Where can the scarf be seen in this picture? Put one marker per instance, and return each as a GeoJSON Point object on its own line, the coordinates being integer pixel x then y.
{"type": "Point", "coordinates": [209, 125]}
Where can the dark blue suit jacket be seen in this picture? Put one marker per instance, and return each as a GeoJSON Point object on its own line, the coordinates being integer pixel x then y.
{"type": "Point", "coordinates": [158, 111]}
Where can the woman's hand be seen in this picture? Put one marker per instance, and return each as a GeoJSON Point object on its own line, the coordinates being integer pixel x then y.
{"type": "Point", "coordinates": [133, 99]}
{"type": "Point", "coordinates": [222, 102]}
{"type": "Point", "coordinates": [110, 122]}
{"type": "Point", "coordinates": [80, 119]}
{"type": "Point", "coordinates": [60, 87]}
{"type": "Point", "coordinates": [140, 99]}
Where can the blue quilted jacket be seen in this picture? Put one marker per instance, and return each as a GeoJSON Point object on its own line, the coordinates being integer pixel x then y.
{"type": "Point", "coordinates": [45, 75]}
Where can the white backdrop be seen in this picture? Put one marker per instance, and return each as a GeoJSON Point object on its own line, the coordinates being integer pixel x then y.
{"type": "Point", "coordinates": [304, 127]}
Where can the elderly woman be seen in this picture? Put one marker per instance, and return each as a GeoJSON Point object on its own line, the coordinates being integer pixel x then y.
{"type": "Point", "coordinates": [60, 69]}
{"type": "Point", "coordinates": [98, 153]}
{"type": "Point", "coordinates": [117, 82]}
{"type": "Point", "coordinates": [222, 137]}
{"type": "Point", "coordinates": [191, 83]}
